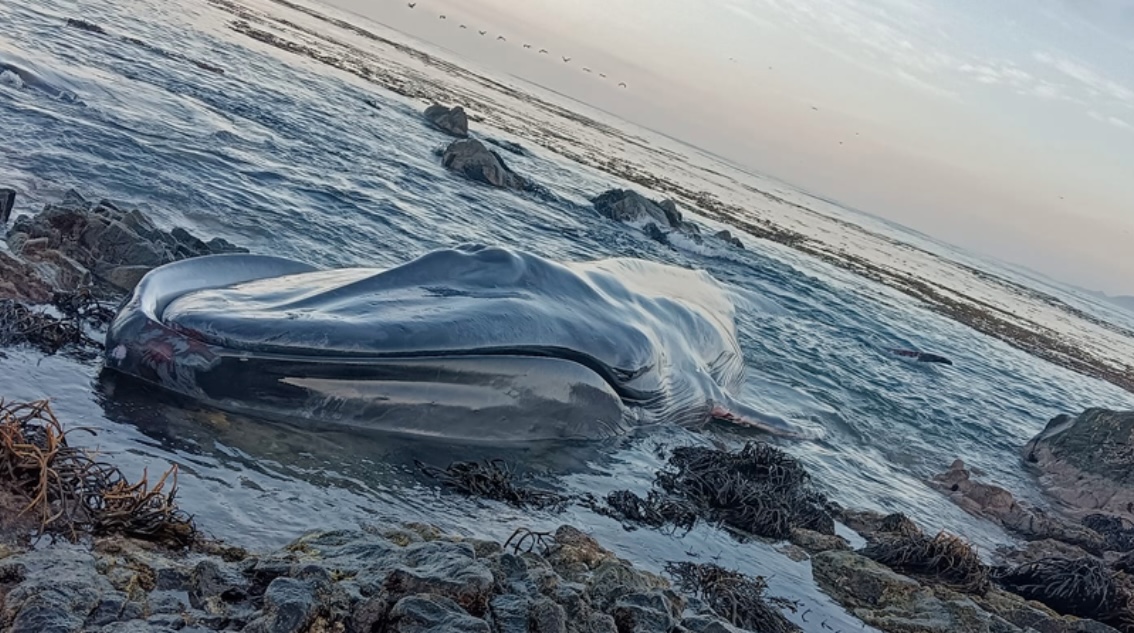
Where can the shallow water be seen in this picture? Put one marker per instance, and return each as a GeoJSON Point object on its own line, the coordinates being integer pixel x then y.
{"type": "Point", "coordinates": [282, 157]}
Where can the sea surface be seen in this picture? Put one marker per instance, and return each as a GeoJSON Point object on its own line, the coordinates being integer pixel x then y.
{"type": "Point", "coordinates": [282, 156]}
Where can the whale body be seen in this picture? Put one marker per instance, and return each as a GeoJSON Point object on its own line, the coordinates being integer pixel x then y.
{"type": "Point", "coordinates": [474, 343]}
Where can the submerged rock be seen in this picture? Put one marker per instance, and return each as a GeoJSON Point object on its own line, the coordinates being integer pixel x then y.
{"type": "Point", "coordinates": [1087, 461]}
{"type": "Point", "coordinates": [452, 121]}
{"type": "Point", "coordinates": [623, 205]}
{"type": "Point", "coordinates": [727, 236]}
{"type": "Point", "coordinates": [472, 159]}
{"type": "Point", "coordinates": [75, 242]}
{"type": "Point", "coordinates": [997, 504]}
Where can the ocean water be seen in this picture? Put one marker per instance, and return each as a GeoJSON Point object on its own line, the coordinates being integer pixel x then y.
{"type": "Point", "coordinates": [283, 156]}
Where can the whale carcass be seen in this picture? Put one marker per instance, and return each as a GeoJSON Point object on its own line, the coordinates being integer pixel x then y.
{"type": "Point", "coordinates": [472, 343]}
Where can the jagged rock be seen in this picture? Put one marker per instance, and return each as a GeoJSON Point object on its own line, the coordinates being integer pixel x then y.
{"type": "Point", "coordinates": [432, 614]}
{"type": "Point", "coordinates": [547, 617]}
{"type": "Point", "coordinates": [672, 213]}
{"type": "Point", "coordinates": [1039, 550]}
{"type": "Point", "coordinates": [613, 579]}
{"type": "Point", "coordinates": [69, 242]}
{"type": "Point", "coordinates": [1087, 461]}
{"type": "Point", "coordinates": [289, 607]}
{"type": "Point", "coordinates": [651, 612]}
{"type": "Point", "coordinates": [472, 159]}
{"type": "Point", "coordinates": [212, 582]}
{"type": "Point", "coordinates": [7, 201]}
{"type": "Point", "coordinates": [19, 281]}
{"type": "Point", "coordinates": [997, 504]}
{"type": "Point", "coordinates": [452, 121]}
{"type": "Point", "coordinates": [60, 589]}
{"type": "Point", "coordinates": [813, 541]}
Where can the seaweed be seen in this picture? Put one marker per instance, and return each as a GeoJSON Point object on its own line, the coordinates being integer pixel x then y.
{"type": "Point", "coordinates": [758, 490]}
{"type": "Point", "coordinates": [20, 324]}
{"type": "Point", "coordinates": [72, 493]}
{"type": "Point", "coordinates": [655, 510]}
{"type": "Point", "coordinates": [1117, 532]}
{"type": "Point", "coordinates": [1082, 587]}
{"type": "Point", "coordinates": [737, 598]}
{"type": "Point", "coordinates": [942, 559]}
{"type": "Point", "coordinates": [492, 479]}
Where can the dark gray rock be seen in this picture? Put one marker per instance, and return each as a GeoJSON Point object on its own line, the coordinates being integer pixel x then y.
{"type": "Point", "coordinates": [433, 614]}
{"type": "Point", "coordinates": [614, 579]}
{"type": "Point", "coordinates": [508, 146]}
{"type": "Point", "coordinates": [672, 213]}
{"type": "Point", "coordinates": [1086, 461]}
{"type": "Point", "coordinates": [61, 587]}
{"type": "Point", "coordinates": [547, 617]}
{"type": "Point", "coordinates": [651, 612]}
{"type": "Point", "coordinates": [167, 602]}
{"type": "Point", "coordinates": [289, 607]}
{"type": "Point", "coordinates": [727, 236]}
{"type": "Point", "coordinates": [212, 581]}
{"type": "Point", "coordinates": [473, 160]}
{"type": "Point", "coordinates": [510, 613]}
{"type": "Point", "coordinates": [7, 201]}
{"type": "Point", "coordinates": [452, 121]}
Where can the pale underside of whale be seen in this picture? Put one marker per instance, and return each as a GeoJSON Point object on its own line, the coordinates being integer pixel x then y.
{"type": "Point", "coordinates": [473, 343]}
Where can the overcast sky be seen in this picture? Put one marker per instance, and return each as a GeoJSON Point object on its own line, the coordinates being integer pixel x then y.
{"type": "Point", "coordinates": [1005, 127]}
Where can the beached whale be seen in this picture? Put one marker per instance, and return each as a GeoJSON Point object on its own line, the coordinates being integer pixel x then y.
{"type": "Point", "coordinates": [473, 343]}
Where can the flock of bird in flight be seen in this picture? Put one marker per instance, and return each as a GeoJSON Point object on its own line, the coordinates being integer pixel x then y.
{"type": "Point", "coordinates": [542, 51]}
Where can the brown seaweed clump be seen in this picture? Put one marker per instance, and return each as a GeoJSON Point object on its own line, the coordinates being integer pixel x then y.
{"type": "Point", "coordinates": [1082, 587]}
{"type": "Point", "coordinates": [492, 479]}
{"type": "Point", "coordinates": [758, 490]}
{"type": "Point", "coordinates": [1118, 533]}
{"type": "Point", "coordinates": [654, 510]}
{"type": "Point", "coordinates": [733, 596]}
{"type": "Point", "coordinates": [72, 493]}
{"type": "Point", "coordinates": [943, 559]}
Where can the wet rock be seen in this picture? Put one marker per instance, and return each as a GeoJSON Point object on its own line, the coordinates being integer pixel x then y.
{"type": "Point", "coordinates": [547, 617]}
{"type": "Point", "coordinates": [508, 146]}
{"type": "Point", "coordinates": [651, 612]}
{"type": "Point", "coordinates": [727, 236]}
{"type": "Point", "coordinates": [473, 160]}
{"type": "Point", "coordinates": [59, 591]}
{"type": "Point", "coordinates": [510, 613]}
{"type": "Point", "coordinates": [74, 242]}
{"type": "Point", "coordinates": [19, 281]}
{"type": "Point", "coordinates": [813, 541]}
{"type": "Point", "coordinates": [432, 614]}
{"type": "Point", "coordinates": [85, 26]}
{"type": "Point", "coordinates": [706, 624]}
{"type": "Point", "coordinates": [7, 201]}
{"type": "Point", "coordinates": [623, 205]}
{"type": "Point", "coordinates": [443, 569]}
{"type": "Point", "coordinates": [1086, 461]}
{"type": "Point", "coordinates": [672, 213]}
{"type": "Point", "coordinates": [997, 504]}
{"type": "Point", "coordinates": [212, 583]}
{"type": "Point", "coordinates": [613, 579]}
{"type": "Point", "coordinates": [1039, 550]}
{"type": "Point", "coordinates": [452, 121]}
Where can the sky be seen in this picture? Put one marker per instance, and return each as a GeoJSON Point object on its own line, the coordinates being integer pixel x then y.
{"type": "Point", "coordinates": [1004, 127]}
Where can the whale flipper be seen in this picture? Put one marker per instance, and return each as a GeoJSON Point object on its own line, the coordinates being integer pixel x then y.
{"type": "Point", "coordinates": [741, 414]}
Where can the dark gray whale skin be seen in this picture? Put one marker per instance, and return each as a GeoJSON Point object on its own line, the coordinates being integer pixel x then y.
{"type": "Point", "coordinates": [474, 343]}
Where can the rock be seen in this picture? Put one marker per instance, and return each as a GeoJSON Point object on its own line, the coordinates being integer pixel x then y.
{"type": "Point", "coordinates": [547, 617]}
{"type": "Point", "coordinates": [432, 614]}
{"type": "Point", "coordinates": [472, 159]}
{"type": "Point", "coordinates": [73, 243]}
{"type": "Point", "coordinates": [85, 26]}
{"type": "Point", "coordinates": [613, 579]}
{"type": "Point", "coordinates": [706, 624]}
{"type": "Point", "coordinates": [623, 205]}
{"type": "Point", "coordinates": [452, 121]}
{"type": "Point", "coordinates": [813, 541]}
{"type": "Point", "coordinates": [508, 146]}
{"type": "Point", "coordinates": [60, 589]}
{"type": "Point", "coordinates": [1087, 462]}
{"type": "Point", "coordinates": [20, 282]}
{"type": "Point", "coordinates": [651, 612]}
{"type": "Point", "coordinates": [443, 569]}
{"type": "Point", "coordinates": [212, 582]}
{"type": "Point", "coordinates": [289, 607]}
{"type": "Point", "coordinates": [997, 504]}
{"type": "Point", "coordinates": [727, 236]}
{"type": "Point", "coordinates": [1039, 550]}
{"type": "Point", "coordinates": [672, 214]}
{"type": "Point", "coordinates": [510, 613]}
{"type": "Point", "coordinates": [7, 201]}
{"type": "Point", "coordinates": [892, 602]}
{"type": "Point", "coordinates": [871, 524]}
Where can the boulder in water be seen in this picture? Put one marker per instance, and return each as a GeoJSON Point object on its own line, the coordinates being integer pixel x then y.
{"type": "Point", "coordinates": [7, 201]}
{"type": "Point", "coordinates": [727, 236]}
{"type": "Point", "coordinates": [623, 205]}
{"type": "Point", "coordinates": [475, 161]}
{"type": "Point", "coordinates": [1087, 461]}
{"type": "Point", "coordinates": [452, 121]}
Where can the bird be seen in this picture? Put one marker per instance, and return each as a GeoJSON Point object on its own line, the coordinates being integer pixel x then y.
{"type": "Point", "coordinates": [622, 84]}
{"type": "Point", "coordinates": [501, 38]}
{"type": "Point", "coordinates": [586, 70]}
{"type": "Point", "coordinates": [603, 75]}
{"type": "Point", "coordinates": [527, 45]}
{"type": "Point", "coordinates": [482, 32]}
{"type": "Point", "coordinates": [464, 27]}
{"type": "Point", "coordinates": [814, 108]}
{"type": "Point", "coordinates": [441, 16]}
{"type": "Point", "coordinates": [543, 51]}
{"type": "Point", "coordinates": [566, 59]}
{"type": "Point", "coordinates": [411, 4]}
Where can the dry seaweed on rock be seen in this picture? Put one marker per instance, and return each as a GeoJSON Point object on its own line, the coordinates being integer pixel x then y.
{"type": "Point", "coordinates": [655, 510]}
{"type": "Point", "coordinates": [943, 559]}
{"type": "Point", "coordinates": [1082, 587]}
{"type": "Point", "coordinates": [733, 596]}
{"type": "Point", "coordinates": [758, 490]}
{"type": "Point", "coordinates": [72, 493]}
{"type": "Point", "coordinates": [20, 324]}
{"type": "Point", "coordinates": [492, 479]}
